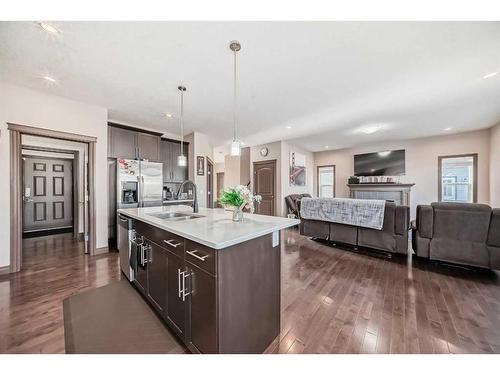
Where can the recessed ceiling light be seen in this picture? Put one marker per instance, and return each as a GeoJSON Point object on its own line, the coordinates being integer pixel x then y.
{"type": "Point", "coordinates": [288, 127]}
{"type": "Point", "coordinates": [371, 129]}
{"type": "Point", "coordinates": [169, 115]}
{"type": "Point", "coordinates": [447, 129]}
{"type": "Point", "coordinates": [327, 146]}
{"type": "Point", "coordinates": [49, 79]}
{"type": "Point", "coordinates": [490, 75]}
{"type": "Point", "coordinates": [48, 27]}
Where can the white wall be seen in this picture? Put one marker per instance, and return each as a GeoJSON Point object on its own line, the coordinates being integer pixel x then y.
{"type": "Point", "coordinates": [200, 145]}
{"type": "Point", "coordinates": [245, 175]}
{"type": "Point", "coordinates": [280, 151]}
{"type": "Point", "coordinates": [495, 167]}
{"type": "Point", "coordinates": [237, 168]}
{"type": "Point", "coordinates": [33, 108]}
{"type": "Point", "coordinates": [421, 163]}
{"type": "Point", "coordinates": [232, 169]}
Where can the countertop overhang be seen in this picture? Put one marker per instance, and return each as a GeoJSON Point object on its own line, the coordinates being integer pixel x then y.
{"type": "Point", "coordinates": [215, 229]}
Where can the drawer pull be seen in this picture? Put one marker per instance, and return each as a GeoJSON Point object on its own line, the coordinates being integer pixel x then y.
{"type": "Point", "coordinates": [193, 253]}
{"type": "Point", "coordinates": [172, 243]}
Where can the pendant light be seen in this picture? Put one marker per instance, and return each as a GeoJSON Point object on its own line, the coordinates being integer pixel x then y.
{"type": "Point", "coordinates": [181, 159]}
{"type": "Point", "coordinates": [235, 46]}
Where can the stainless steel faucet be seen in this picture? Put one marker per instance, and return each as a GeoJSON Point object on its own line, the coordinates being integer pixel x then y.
{"type": "Point", "coordinates": [195, 201]}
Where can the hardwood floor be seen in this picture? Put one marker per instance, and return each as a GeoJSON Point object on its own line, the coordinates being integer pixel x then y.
{"type": "Point", "coordinates": [337, 301]}
{"type": "Point", "coordinates": [54, 267]}
{"type": "Point", "coordinates": [333, 300]}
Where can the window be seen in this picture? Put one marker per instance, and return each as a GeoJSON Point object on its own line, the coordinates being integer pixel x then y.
{"type": "Point", "coordinates": [458, 178]}
{"type": "Point", "coordinates": [326, 181]}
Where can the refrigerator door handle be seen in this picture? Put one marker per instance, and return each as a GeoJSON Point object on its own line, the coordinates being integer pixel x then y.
{"type": "Point", "coordinates": [140, 186]}
{"type": "Point", "coordinates": [142, 195]}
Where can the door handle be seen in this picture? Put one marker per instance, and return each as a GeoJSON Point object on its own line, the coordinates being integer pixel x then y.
{"type": "Point", "coordinates": [121, 219]}
{"type": "Point", "coordinates": [193, 254]}
{"type": "Point", "coordinates": [172, 243]}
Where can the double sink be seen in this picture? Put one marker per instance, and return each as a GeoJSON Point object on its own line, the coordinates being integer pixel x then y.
{"type": "Point", "coordinates": [175, 216]}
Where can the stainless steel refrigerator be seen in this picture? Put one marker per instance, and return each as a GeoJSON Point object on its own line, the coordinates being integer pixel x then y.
{"type": "Point", "coordinates": [139, 183]}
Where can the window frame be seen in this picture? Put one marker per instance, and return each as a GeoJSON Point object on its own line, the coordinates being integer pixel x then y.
{"type": "Point", "coordinates": [474, 174]}
{"type": "Point", "coordinates": [317, 178]}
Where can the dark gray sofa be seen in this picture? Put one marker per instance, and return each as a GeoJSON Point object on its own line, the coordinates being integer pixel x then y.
{"type": "Point", "coordinates": [291, 202]}
{"type": "Point", "coordinates": [461, 233]}
{"type": "Point", "coordinates": [393, 237]}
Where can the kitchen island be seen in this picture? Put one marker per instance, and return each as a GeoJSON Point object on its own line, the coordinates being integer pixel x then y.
{"type": "Point", "coordinates": [215, 282]}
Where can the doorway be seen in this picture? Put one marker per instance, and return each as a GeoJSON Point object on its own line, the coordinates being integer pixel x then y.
{"type": "Point", "coordinates": [50, 182]}
{"type": "Point", "coordinates": [210, 183]}
{"type": "Point", "coordinates": [48, 193]}
{"type": "Point", "coordinates": [264, 184]}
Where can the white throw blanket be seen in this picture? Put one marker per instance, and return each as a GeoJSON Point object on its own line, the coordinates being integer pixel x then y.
{"type": "Point", "coordinates": [368, 213]}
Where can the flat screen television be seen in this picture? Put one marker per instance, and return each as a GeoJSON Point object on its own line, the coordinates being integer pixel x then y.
{"type": "Point", "coordinates": [383, 163]}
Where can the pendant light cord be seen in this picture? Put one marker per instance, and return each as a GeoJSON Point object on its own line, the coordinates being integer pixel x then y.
{"type": "Point", "coordinates": [234, 101]}
{"type": "Point", "coordinates": [182, 122]}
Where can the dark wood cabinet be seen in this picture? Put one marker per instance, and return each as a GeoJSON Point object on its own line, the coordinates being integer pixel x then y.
{"type": "Point", "coordinates": [129, 143]}
{"type": "Point", "coordinates": [122, 143]}
{"type": "Point", "coordinates": [141, 273]}
{"type": "Point", "coordinates": [202, 312]}
{"type": "Point", "coordinates": [148, 146]}
{"type": "Point", "coordinates": [176, 279]}
{"type": "Point", "coordinates": [217, 301]}
{"type": "Point", "coordinates": [157, 276]}
{"type": "Point", "coordinates": [169, 150]}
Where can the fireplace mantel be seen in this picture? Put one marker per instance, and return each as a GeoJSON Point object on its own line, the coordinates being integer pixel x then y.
{"type": "Point", "coordinates": [399, 193]}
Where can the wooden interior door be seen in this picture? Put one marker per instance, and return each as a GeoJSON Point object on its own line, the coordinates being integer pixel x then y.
{"type": "Point", "coordinates": [48, 194]}
{"type": "Point", "coordinates": [210, 184]}
{"type": "Point", "coordinates": [264, 184]}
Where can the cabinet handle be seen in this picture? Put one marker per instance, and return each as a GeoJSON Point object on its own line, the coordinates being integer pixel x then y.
{"type": "Point", "coordinates": [172, 243]}
{"type": "Point", "coordinates": [179, 281]}
{"type": "Point", "coordinates": [142, 254]}
{"type": "Point", "coordinates": [193, 254]}
{"type": "Point", "coordinates": [184, 277]}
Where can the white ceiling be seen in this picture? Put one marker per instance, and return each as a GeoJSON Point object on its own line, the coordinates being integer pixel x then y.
{"type": "Point", "coordinates": [325, 80]}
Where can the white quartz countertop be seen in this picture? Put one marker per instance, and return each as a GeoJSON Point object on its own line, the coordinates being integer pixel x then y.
{"type": "Point", "coordinates": [215, 228]}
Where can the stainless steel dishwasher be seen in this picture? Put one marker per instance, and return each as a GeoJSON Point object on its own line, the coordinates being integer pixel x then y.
{"type": "Point", "coordinates": [126, 235]}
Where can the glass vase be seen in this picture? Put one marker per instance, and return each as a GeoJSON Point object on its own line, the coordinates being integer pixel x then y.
{"type": "Point", "coordinates": [237, 214]}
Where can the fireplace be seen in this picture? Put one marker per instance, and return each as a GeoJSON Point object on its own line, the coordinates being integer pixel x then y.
{"type": "Point", "coordinates": [397, 193]}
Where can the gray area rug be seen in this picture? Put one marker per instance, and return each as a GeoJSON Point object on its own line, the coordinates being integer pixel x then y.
{"type": "Point", "coordinates": [115, 319]}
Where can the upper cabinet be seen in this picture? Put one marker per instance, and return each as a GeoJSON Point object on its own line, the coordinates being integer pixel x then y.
{"type": "Point", "coordinates": [148, 146]}
{"type": "Point", "coordinates": [169, 150]}
{"type": "Point", "coordinates": [130, 144]}
{"type": "Point", "coordinates": [122, 143]}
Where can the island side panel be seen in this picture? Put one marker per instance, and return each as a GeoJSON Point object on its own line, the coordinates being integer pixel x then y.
{"type": "Point", "coordinates": [249, 295]}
